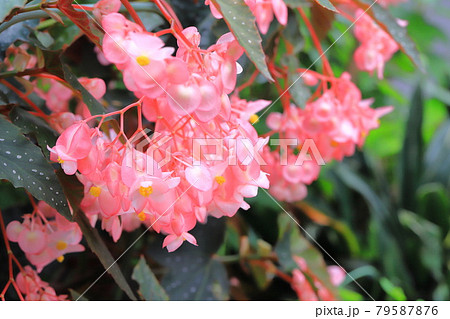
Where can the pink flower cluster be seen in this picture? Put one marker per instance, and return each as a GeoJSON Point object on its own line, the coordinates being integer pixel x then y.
{"type": "Point", "coordinates": [335, 123]}
{"type": "Point", "coordinates": [302, 285]}
{"type": "Point", "coordinates": [377, 47]}
{"type": "Point", "coordinates": [263, 10]}
{"type": "Point", "coordinates": [186, 96]}
{"type": "Point", "coordinates": [34, 288]}
{"type": "Point", "coordinates": [44, 240]}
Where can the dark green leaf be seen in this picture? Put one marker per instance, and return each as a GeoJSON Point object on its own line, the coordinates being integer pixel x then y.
{"type": "Point", "coordinates": [430, 248]}
{"type": "Point", "coordinates": [99, 248]}
{"type": "Point", "coordinates": [292, 243]}
{"type": "Point", "coordinates": [8, 5]}
{"type": "Point", "coordinates": [411, 156]}
{"type": "Point", "coordinates": [241, 22]}
{"type": "Point", "coordinates": [437, 161]}
{"type": "Point", "coordinates": [193, 274]}
{"type": "Point", "coordinates": [19, 31]}
{"type": "Point", "coordinates": [93, 105]}
{"type": "Point", "coordinates": [24, 165]}
{"type": "Point", "coordinates": [31, 124]}
{"type": "Point", "coordinates": [149, 287]}
{"type": "Point", "coordinates": [76, 296]}
{"type": "Point", "coordinates": [434, 205]}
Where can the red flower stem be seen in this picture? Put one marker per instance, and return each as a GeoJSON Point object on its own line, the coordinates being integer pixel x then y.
{"type": "Point", "coordinates": [24, 97]}
{"type": "Point", "coordinates": [326, 64]}
{"type": "Point", "coordinates": [133, 13]}
{"type": "Point", "coordinates": [249, 81]}
{"type": "Point", "coordinates": [10, 264]}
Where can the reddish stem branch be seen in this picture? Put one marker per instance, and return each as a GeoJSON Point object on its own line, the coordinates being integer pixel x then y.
{"type": "Point", "coordinates": [24, 97]}
{"type": "Point", "coordinates": [133, 13]}
{"type": "Point", "coordinates": [326, 64]}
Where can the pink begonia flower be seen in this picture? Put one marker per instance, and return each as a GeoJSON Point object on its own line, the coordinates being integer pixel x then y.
{"type": "Point", "coordinates": [303, 288]}
{"type": "Point", "coordinates": [377, 47]}
{"type": "Point", "coordinates": [55, 94]}
{"type": "Point", "coordinates": [74, 144]}
{"type": "Point", "coordinates": [337, 122]}
{"type": "Point", "coordinates": [172, 242]}
{"type": "Point", "coordinates": [44, 241]}
{"type": "Point", "coordinates": [34, 288]}
{"type": "Point", "coordinates": [264, 11]}
{"type": "Point", "coordinates": [105, 7]}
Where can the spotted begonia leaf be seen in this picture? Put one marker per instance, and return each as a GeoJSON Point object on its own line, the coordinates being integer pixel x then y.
{"type": "Point", "coordinates": [24, 165]}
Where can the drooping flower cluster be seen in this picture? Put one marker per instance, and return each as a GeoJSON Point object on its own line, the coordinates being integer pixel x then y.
{"type": "Point", "coordinates": [302, 285]}
{"type": "Point", "coordinates": [328, 128]}
{"type": "Point", "coordinates": [377, 47]}
{"type": "Point", "coordinates": [175, 177]}
{"type": "Point", "coordinates": [34, 288]}
{"type": "Point", "coordinates": [45, 236]}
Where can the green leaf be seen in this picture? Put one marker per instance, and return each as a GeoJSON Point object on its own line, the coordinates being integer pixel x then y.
{"type": "Point", "coordinates": [396, 293]}
{"type": "Point", "coordinates": [411, 156]}
{"type": "Point", "coordinates": [241, 22]}
{"type": "Point", "coordinates": [398, 33]}
{"type": "Point", "coordinates": [292, 243]}
{"type": "Point", "coordinates": [327, 5]}
{"type": "Point", "coordinates": [430, 249]}
{"type": "Point", "coordinates": [437, 161]}
{"type": "Point", "coordinates": [24, 165]}
{"type": "Point", "coordinates": [149, 287]}
{"type": "Point", "coordinates": [350, 295]}
{"type": "Point", "coordinates": [434, 205]}
{"type": "Point", "coordinates": [8, 5]}
{"type": "Point", "coordinates": [97, 245]}
{"type": "Point", "coordinates": [36, 126]}
{"type": "Point", "coordinates": [388, 229]}
{"type": "Point", "coordinates": [93, 105]}
{"type": "Point", "coordinates": [192, 273]}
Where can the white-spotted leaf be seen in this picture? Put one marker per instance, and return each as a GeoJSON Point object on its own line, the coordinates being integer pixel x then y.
{"type": "Point", "coordinates": [23, 164]}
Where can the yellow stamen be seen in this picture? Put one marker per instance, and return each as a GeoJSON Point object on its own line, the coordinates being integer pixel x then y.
{"type": "Point", "coordinates": [220, 179]}
{"type": "Point", "coordinates": [60, 259]}
{"type": "Point", "coordinates": [142, 216]}
{"type": "Point", "coordinates": [95, 191]}
{"type": "Point", "coordinates": [142, 60]}
{"type": "Point", "coordinates": [145, 191]}
{"type": "Point", "coordinates": [254, 118]}
{"type": "Point", "coordinates": [59, 160]}
{"type": "Point", "coordinates": [334, 144]}
{"type": "Point", "coordinates": [61, 245]}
